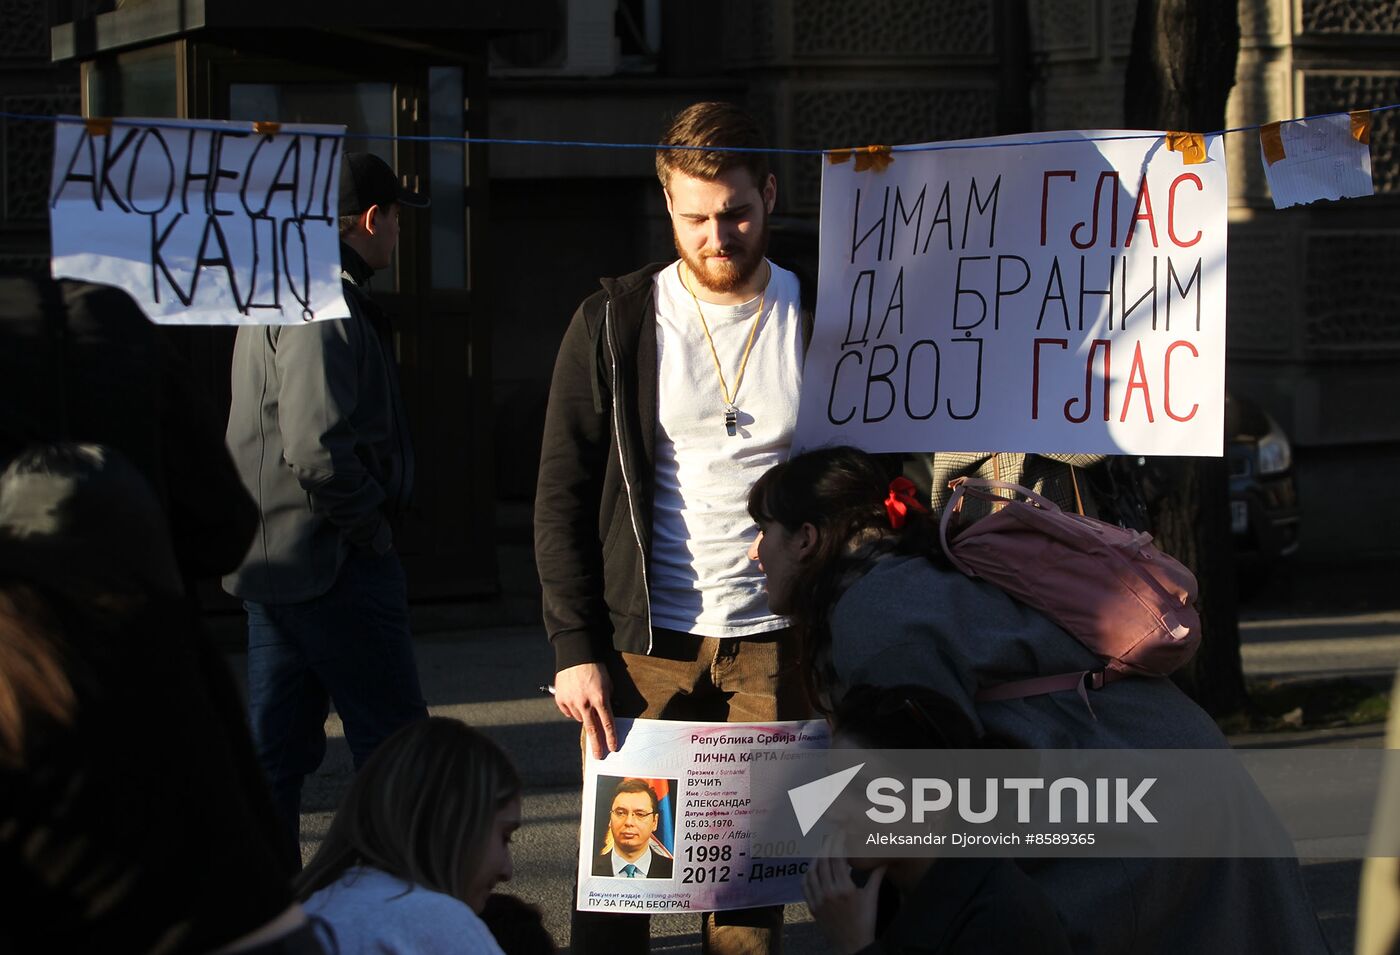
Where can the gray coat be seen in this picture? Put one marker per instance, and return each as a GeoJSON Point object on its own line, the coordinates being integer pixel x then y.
{"type": "Point", "coordinates": [909, 622]}
{"type": "Point", "coordinates": [318, 431]}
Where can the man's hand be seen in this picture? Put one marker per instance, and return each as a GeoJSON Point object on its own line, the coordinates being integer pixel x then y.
{"type": "Point", "coordinates": [582, 693]}
{"type": "Point", "coordinates": [844, 912]}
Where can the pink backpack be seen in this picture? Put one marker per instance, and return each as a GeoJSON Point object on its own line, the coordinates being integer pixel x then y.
{"type": "Point", "coordinates": [1110, 588]}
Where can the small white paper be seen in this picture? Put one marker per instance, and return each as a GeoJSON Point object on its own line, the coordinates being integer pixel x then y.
{"type": "Point", "coordinates": [1321, 161]}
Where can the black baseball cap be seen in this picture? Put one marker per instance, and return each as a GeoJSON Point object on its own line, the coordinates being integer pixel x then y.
{"type": "Point", "coordinates": [366, 180]}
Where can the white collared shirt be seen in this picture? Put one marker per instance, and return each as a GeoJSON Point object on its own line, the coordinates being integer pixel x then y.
{"type": "Point", "coordinates": [643, 864]}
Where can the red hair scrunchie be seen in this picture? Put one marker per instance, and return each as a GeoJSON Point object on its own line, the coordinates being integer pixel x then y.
{"type": "Point", "coordinates": [900, 501]}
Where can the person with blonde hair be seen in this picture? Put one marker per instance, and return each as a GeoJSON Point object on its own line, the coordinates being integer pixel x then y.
{"type": "Point", "coordinates": [420, 840]}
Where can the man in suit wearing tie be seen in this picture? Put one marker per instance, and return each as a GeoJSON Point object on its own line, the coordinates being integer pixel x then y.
{"type": "Point", "coordinates": [632, 821]}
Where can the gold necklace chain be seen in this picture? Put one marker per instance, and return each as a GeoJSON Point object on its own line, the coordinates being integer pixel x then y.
{"type": "Point", "coordinates": [730, 411]}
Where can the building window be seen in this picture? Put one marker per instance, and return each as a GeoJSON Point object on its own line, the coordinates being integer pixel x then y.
{"type": "Point", "coordinates": [135, 83]}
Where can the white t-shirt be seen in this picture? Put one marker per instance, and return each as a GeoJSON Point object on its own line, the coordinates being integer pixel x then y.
{"type": "Point", "coordinates": [370, 912]}
{"type": "Point", "coordinates": [701, 579]}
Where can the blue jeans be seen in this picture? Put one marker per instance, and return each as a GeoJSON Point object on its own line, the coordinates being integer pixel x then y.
{"type": "Point", "coordinates": [351, 645]}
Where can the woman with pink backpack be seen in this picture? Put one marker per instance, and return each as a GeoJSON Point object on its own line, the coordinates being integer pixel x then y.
{"type": "Point", "coordinates": [853, 559]}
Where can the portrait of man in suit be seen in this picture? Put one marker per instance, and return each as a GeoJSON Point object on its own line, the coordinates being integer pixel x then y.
{"type": "Point", "coordinates": [633, 815]}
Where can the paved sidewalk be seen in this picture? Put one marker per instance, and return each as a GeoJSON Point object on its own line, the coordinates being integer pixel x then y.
{"type": "Point", "coordinates": [1322, 645]}
{"type": "Point", "coordinates": [482, 664]}
{"type": "Point", "coordinates": [489, 677]}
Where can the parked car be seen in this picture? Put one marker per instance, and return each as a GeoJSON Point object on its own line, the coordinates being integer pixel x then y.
{"type": "Point", "coordinates": [1263, 496]}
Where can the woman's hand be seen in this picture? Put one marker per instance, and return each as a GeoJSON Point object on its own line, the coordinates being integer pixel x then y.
{"type": "Point", "coordinates": [844, 911]}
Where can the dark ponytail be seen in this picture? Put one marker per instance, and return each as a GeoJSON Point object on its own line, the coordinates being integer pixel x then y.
{"type": "Point", "coordinates": [840, 491]}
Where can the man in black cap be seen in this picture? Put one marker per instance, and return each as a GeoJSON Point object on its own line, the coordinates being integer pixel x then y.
{"type": "Point", "coordinates": [318, 430]}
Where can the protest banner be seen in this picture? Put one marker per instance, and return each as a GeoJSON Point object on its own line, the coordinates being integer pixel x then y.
{"type": "Point", "coordinates": [1056, 292]}
{"type": "Point", "coordinates": [202, 223]}
{"type": "Point", "coordinates": [669, 824]}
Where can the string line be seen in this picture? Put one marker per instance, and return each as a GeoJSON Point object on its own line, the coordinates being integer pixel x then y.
{"type": "Point", "coordinates": [653, 147]}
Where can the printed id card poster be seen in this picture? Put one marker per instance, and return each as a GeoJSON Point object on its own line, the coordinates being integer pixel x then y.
{"type": "Point", "coordinates": [669, 823]}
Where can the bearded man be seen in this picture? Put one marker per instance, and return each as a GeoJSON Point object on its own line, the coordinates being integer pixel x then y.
{"type": "Point", "coordinates": [675, 387]}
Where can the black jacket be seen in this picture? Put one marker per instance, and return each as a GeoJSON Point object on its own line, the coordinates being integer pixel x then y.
{"type": "Point", "coordinates": [593, 505]}
{"type": "Point", "coordinates": [596, 479]}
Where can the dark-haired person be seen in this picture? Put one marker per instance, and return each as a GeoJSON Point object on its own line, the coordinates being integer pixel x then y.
{"type": "Point", "coordinates": [133, 813]}
{"type": "Point", "coordinates": [855, 563]}
{"type": "Point", "coordinates": [320, 435]}
{"type": "Point", "coordinates": [420, 840]}
{"type": "Point", "coordinates": [632, 820]}
{"type": "Point", "coordinates": [675, 387]}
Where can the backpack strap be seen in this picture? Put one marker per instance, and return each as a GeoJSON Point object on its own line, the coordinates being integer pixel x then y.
{"type": "Point", "coordinates": [954, 504]}
{"type": "Point", "coordinates": [976, 487]}
{"type": "Point", "coordinates": [1082, 682]}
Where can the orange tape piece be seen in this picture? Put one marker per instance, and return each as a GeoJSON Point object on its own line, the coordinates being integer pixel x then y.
{"type": "Point", "coordinates": [877, 158]}
{"type": "Point", "coordinates": [1192, 146]}
{"type": "Point", "coordinates": [98, 125]}
{"type": "Point", "coordinates": [1272, 141]}
{"type": "Point", "coordinates": [1361, 126]}
{"type": "Point", "coordinates": [267, 128]}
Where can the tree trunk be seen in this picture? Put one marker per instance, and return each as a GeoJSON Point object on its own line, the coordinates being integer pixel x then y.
{"type": "Point", "coordinates": [1191, 521]}
{"type": "Point", "coordinates": [1180, 72]}
{"type": "Point", "coordinates": [1182, 64]}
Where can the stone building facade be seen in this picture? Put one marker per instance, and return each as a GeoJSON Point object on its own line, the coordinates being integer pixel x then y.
{"type": "Point", "coordinates": [29, 85]}
{"type": "Point", "coordinates": [1314, 292]}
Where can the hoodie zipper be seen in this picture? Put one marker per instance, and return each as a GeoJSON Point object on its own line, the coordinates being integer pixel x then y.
{"type": "Point", "coordinates": [622, 463]}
